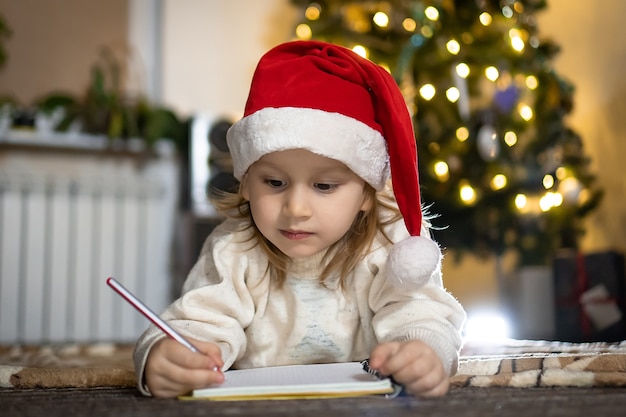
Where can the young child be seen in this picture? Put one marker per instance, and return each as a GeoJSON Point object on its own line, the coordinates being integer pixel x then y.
{"type": "Point", "coordinates": [318, 261]}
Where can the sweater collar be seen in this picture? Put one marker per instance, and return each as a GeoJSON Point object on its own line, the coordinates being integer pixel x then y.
{"type": "Point", "coordinates": [308, 268]}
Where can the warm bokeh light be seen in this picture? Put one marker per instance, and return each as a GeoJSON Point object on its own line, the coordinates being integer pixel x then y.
{"type": "Point", "coordinates": [467, 194]}
{"type": "Point", "coordinates": [525, 111]}
{"type": "Point", "coordinates": [409, 24]}
{"type": "Point", "coordinates": [360, 50]}
{"type": "Point", "coordinates": [510, 138]}
{"type": "Point", "coordinates": [517, 41]}
{"type": "Point", "coordinates": [431, 13]}
{"type": "Point", "coordinates": [303, 31]}
{"type": "Point", "coordinates": [453, 46]}
{"type": "Point", "coordinates": [313, 11]}
{"type": "Point", "coordinates": [427, 91]}
{"type": "Point", "coordinates": [532, 82]}
{"type": "Point", "coordinates": [453, 94]}
{"type": "Point", "coordinates": [381, 19]}
{"type": "Point", "coordinates": [463, 70]}
{"type": "Point", "coordinates": [498, 182]}
{"type": "Point", "coordinates": [462, 134]}
{"type": "Point", "coordinates": [550, 200]}
{"type": "Point", "coordinates": [492, 73]}
{"type": "Point", "coordinates": [548, 181]}
{"type": "Point", "coordinates": [485, 19]}
{"type": "Point", "coordinates": [442, 170]}
{"type": "Point", "coordinates": [521, 201]}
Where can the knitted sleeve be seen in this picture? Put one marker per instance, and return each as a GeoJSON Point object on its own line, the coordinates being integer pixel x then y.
{"type": "Point", "coordinates": [429, 314]}
{"type": "Point", "coordinates": [216, 304]}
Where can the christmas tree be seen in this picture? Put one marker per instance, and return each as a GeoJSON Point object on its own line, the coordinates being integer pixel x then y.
{"type": "Point", "coordinates": [498, 165]}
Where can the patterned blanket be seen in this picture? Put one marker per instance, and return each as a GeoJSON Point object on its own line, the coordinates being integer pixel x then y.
{"type": "Point", "coordinates": [513, 363]}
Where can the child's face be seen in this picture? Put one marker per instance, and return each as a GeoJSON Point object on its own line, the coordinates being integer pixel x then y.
{"type": "Point", "coordinates": [303, 202]}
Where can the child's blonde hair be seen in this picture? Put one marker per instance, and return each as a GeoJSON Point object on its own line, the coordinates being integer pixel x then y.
{"type": "Point", "coordinates": [343, 255]}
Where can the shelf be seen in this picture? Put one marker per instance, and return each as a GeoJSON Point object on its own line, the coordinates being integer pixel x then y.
{"type": "Point", "coordinates": [81, 144]}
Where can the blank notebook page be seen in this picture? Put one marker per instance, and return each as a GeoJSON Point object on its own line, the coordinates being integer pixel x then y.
{"type": "Point", "coordinates": [335, 377]}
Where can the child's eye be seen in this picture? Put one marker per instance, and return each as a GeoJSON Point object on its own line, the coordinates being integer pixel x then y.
{"type": "Point", "coordinates": [326, 188]}
{"type": "Point", "coordinates": [274, 183]}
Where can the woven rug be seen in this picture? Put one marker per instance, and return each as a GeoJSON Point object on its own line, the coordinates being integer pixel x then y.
{"type": "Point", "coordinates": [512, 363]}
{"type": "Point", "coordinates": [67, 366]}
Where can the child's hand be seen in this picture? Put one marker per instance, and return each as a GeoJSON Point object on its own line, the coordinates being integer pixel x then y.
{"type": "Point", "coordinates": [172, 369]}
{"type": "Point", "coordinates": [413, 364]}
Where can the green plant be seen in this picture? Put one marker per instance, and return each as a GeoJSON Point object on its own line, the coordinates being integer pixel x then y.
{"type": "Point", "coordinates": [106, 109]}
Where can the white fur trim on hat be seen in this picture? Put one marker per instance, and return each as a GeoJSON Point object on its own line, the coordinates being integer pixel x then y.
{"type": "Point", "coordinates": [334, 135]}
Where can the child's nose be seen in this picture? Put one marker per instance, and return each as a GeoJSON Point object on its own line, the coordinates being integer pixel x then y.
{"type": "Point", "coordinates": [297, 203]}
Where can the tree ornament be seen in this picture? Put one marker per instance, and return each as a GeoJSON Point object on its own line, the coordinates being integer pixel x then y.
{"type": "Point", "coordinates": [505, 99]}
{"type": "Point", "coordinates": [487, 143]}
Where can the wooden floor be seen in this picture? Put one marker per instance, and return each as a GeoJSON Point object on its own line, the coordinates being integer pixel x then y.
{"type": "Point", "coordinates": [460, 402]}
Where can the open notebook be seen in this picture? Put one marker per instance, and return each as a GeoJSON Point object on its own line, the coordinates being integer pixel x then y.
{"type": "Point", "coordinates": [297, 381]}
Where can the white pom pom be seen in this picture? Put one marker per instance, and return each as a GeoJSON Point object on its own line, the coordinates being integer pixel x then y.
{"type": "Point", "coordinates": [412, 262]}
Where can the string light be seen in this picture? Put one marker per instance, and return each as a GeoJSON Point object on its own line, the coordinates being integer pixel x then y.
{"type": "Point", "coordinates": [498, 182]}
{"type": "Point", "coordinates": [550, 200]}
{"type": "Point", "coordinates": [521, 201]}
{"type": "Point", "coordinates": [427, 91]}
{"type": "Point", "coordinates": [463, 70]}
{"type": "Point", "coordinates": [561, 173]}
{"type": "Point", "coordinates": [313, 11]}
{"type": "Point", "coordinates": [558, 199]}
{"type": "Point", "coordinates": [462, 134]}
{"type": "Point", "coordinates": [360, 50]}
{"type": "Point", "coordinates": [531, 82]}
{"type": "Point", "coordinates": [485, 19]}
{"type": "Point", "coordinates": [516, 40]}
{"type": "Point", "coordinates": [507, 12]}
{"type": "Point", "coordinates": [442, 171]}
{"type": "Point", "coordinates": [303, 31]}
{"type": "Point", "coordinates": [381, 19]}
{"type": "Point", "coordinates": [409, 24]}
{"type": "Point", "coordinates": [453, 94]}
{"type": "Point", "coordinates": [510, 138]}
{"type": "Point", "coordinates": [431, 13]}
{"type": "Point", "coordinates": [467, 194]}
{"type": "Point", "coordinates": [525, 111]}
{"type": "Point", "coordinates": [548, 181]}
{"type": "Point", "coordinates": [492, 73]}
{"type": "Point", "coordinates": [453, 46]}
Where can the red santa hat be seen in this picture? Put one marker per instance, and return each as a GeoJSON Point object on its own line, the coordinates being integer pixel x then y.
{"type": "Point", "coordinates": [328, 100]}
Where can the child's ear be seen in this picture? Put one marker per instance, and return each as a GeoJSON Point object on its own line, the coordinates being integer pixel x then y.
{"type": "Point", "coordinates": [368, 202]}
{"type": "Point", "coordinates": [243, 188]}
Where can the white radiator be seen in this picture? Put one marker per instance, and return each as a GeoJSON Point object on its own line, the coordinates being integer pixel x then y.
{"type": "Point", "coordinates": [67, 222]}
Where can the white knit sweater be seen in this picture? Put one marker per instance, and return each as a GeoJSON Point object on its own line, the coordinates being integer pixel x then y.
{"type": "Point", "coordinates": [228, 299]}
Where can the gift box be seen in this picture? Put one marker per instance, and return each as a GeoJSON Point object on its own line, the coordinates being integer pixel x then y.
{"type": "Point", "coordinates": [590, 297]}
